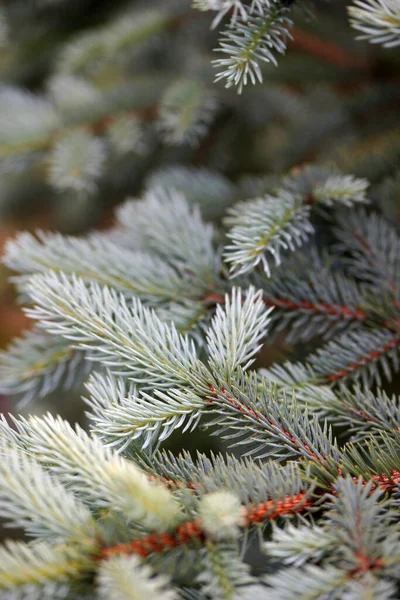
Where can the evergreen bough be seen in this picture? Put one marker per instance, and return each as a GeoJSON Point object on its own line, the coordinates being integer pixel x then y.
{"type": "Point", "coordinates": [168, 313]}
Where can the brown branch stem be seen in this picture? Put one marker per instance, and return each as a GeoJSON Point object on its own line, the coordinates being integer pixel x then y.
{"type": "Point", "coordinates": [192, 531]}
{"type": "Point", "coordinates": [393, 343]}
{"type": "Point", "coordinates": [320, 307]}
{"type": "Point", "coordinates": [326, 50]}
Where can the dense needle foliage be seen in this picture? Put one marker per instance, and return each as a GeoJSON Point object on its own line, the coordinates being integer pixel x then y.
{"type": "Point", "coordinates": [263, 220]}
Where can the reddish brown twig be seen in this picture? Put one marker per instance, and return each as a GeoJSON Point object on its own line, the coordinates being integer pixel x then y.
{"type": "Point", "coordinates": [320, 307]}
{"type": "Point", "coordinates": [365, 360]}
{"type": "Point", "coordinates": [247, 410]}
{"type": "Point", "coordinates": [337, 310]}
{"type": "Point", "coordinates": [192, 531]}
{"type": "Point", "coordinates": [326, 50]}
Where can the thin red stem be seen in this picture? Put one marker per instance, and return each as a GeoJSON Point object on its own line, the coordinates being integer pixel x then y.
{"type": "Point", "coordinates": [191, 531]}
{"type": "Point", "coordinates": [393, 343]}
{"type": "Point", "coordinates": [259, 418]}
{"type": "Point", "coordinates": [379, 264]}
{"type": "Point", "coordinates": [326, 50]}
{"type": "Point", "coordinates": [320, 307]}
{"type": "Point", "coordinates": [157, 542]}
{"type": "Point", "coordinates": [338, 310]}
